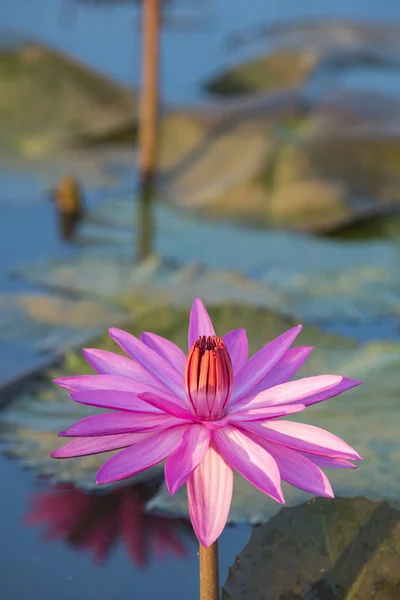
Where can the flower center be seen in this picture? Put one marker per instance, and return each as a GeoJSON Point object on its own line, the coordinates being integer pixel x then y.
{"type": "Point", "coordinates": [208, 377]}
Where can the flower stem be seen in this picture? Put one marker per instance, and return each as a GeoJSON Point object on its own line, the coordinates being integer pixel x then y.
{"type": "Point", "coordinates": [209, 572]}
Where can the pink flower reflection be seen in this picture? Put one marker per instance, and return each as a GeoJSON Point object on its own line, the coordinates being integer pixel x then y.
{"type": "Point", "coordinates": [95, 522]}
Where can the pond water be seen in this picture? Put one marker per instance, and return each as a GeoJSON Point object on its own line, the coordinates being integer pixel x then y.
{"type": "Point", "coordinates": [108, 39]}
{"type": "Point", "coordinates": [34, 567]}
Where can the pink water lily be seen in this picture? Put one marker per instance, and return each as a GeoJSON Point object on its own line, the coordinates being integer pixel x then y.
{"type": "Point", "coordinates": [207, 414]}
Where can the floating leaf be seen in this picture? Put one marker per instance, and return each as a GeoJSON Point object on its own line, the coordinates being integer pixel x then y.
{"type": "Point", "coordinates": [343, 549]}
{"type": "Point", "coordinates": [50, 323]}
{"type": "Point", "coordinates": [66, 99]}
{"type": "Point", "coordinates": [311, 279]}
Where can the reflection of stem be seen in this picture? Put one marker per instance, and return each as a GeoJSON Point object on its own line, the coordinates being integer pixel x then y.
{"type": "Point", "coordinates": [148, 116]}
{"type": "Point", "coordinates": [145, 224]}
{"type": "Point", "coordinates": [209, 572]}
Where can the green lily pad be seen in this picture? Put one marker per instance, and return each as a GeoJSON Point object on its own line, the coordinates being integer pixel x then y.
{"type": "Point", "coordinates": [314, 280]}
{"type": "Point", "coordinates": [67, 100]}
{"type": "Point", "coordinates": [276, 71]}
{"type": "Point", "coordinates": [51, 323]}
{"type": "Point", "coordinates": [363, 416]}
{"type": "Point", "coordinates": [343, 549]}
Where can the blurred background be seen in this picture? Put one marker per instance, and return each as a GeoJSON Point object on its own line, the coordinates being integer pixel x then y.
{"type": "Point", "coordinates": [154, 151]}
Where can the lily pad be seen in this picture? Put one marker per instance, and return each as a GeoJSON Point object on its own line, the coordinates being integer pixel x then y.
{"type": "Point", "coordinates": [204, 155]}
{"type": "Point", "coordinates": [29, 429]}
{"type": "Point", "coordinates": [276, 71]}
{"type": "Point", "coordinates": [67, 100]}
{"type": "Point", "coordinates": [51, 323]}
{"type": "Point", "coordinates": [315, 280]}
{"type": "Point", "coordinates": [335, 549]}
{"type": "Point", "coordinates": [364, 417]}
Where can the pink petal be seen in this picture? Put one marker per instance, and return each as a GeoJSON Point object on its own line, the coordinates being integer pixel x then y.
{"type": "Point", "coordinates": [262, 414]}
{"type": "Point", "coordinates": [286, 393]}
{"type": "Point", "coordinates": [298, 470]}
{"type": "Point", "coordinates": [119, 422]}
{"type": "Point", "coordinates": [166, 349]}
{"type": "Point", "coordinates": [114, 400]}
{"type": "Point", "coordinates": [209, 491]}
{"type": "Point", "coordinates": [306, 438]}
{"type": "Point", "coordinates": [110, 363]}
{"type": "Point", "coordinates": [142, 456]}
{"type": "Point", "coordinates": [151, 361]}
{"type": "Point", "coordinates": [181, 464]}
{"type": "Point", "coordinates": [199, 323]}
{"type": "Point", "coordinates": [168, 406]}
{"type": "Point", "coordinates": [250, 460]}
{"type": "Point", "coordinates": [288, 366]}
{"type": "Point", "coordinates": [95, 445]}
{"type": "Point", "coordinates": [339, 388]}
{"type": "Point", "coordinates": [329, 463]}
{"type": "Point", "coordinates": [82, 383]}
{"type": "Point", "coordinates": [238, 348]}
{"type": "Point", "coordinates": [261, 363]}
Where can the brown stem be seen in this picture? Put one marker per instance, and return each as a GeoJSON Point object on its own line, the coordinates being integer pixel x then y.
{"type": "Point", "coordinates": [209, 572]}
{"type": "Point", "coordinates": [148, 122]}
{"type": "Point", "coordinates": [149, 97]}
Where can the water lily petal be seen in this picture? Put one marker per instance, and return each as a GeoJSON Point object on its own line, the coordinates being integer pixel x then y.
{"type": "Point", "coordinates": [343, 385]}
{"type": "Point", "coordinates": [298, 470]}
{"type": "Point", "coordinates": [209, 489]}
{"type": "Point", "coordinates": [168, 406]}
{"type": "Point", "coordinates": [329, 463]}
{"type": "Point", "coordinates": [306, 438]}
{"type": "Point", "coordinates": [260, 414]}
{"type": "Point", "coordinates": [114, 400]}
{"type": "Point", "coordinates": [110, 363]}
{"type": "Point", "coordinates": [119, 422]}
{"type": "Point", "coordinates": [180, 465]}
{"type": "Point", "coordinates": [288, 366]}
{"type": "Point", "coordinates": [82, 383]}
{"type": "Point", "coordinates": [238, 347]}
{"type": "Point", "coordinates": [94, 445]}
{"type": "Point", "coordinates": [261, 363]}
{"type": "Point", "coordinates": [250, 460]}
{"type": "Point", "coordinates": [166, 349]}
{"type": "Point", "coordinates": [151, 361]}
{"type": "Point", "coordinates": [141, 456]}
{"type": "Point", "coordinates": [200, 322]}
{"type": "Point", "coordinates": [286, 393]}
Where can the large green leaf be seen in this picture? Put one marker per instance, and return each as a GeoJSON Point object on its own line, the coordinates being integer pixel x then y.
{"type": "Point", "coordinates": [343, 549]}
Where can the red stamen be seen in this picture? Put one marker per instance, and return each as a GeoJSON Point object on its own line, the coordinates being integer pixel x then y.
{"type": "Point", "coordinates": [209, 376]}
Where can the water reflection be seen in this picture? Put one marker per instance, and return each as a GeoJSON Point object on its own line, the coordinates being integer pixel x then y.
{"type": "Point", "coordinates": [145, 221]}
{"type": "Point", "coordinates": [96, 522]}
